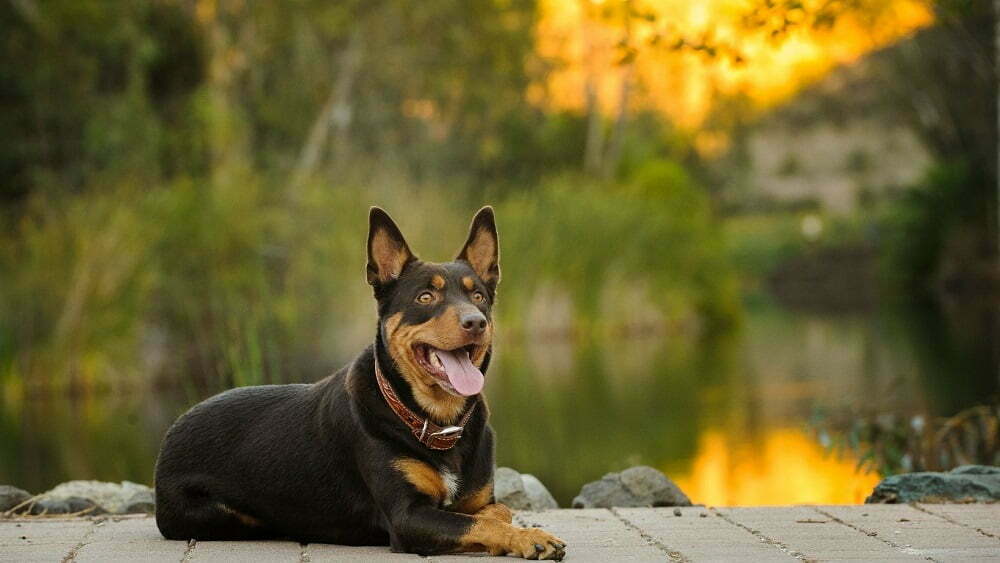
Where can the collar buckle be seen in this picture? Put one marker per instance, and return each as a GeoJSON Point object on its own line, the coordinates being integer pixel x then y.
{"type": "Point", "coordinates": [449, 431]}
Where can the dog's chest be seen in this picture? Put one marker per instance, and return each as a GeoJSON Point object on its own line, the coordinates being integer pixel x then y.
{"type": "Point", "coordinates": [451, 483]}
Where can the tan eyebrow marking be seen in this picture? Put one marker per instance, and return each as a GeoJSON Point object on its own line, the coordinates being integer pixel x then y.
{"type": "Point", "coordinates": [437, 281]}
{"type": "Point", "coordinates": [468, 283]}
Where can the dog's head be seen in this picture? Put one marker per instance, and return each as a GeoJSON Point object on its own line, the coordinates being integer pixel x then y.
{"type": "Point", "coordinates": [434, 318]}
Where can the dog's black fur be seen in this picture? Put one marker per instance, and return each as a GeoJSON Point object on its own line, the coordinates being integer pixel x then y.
{"type": "Point", "coordinates": [330, 461]}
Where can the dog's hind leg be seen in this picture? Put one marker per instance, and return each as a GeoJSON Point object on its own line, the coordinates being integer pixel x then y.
{"type": "Point", "coordinates": [194, 512]}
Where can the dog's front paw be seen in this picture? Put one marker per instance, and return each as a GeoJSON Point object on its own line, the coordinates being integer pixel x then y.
{"type": "Point", "coordinates": [532, 543]}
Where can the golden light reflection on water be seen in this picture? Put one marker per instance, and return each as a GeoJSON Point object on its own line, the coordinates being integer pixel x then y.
{"type": "Point", "coordinates": [785, 467]}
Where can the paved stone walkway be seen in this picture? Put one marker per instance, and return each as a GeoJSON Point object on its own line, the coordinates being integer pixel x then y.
{"type": "Point", "coordinates": [806, 533]}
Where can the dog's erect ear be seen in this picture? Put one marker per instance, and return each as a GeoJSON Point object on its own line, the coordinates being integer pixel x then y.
{"type": "Point", "coordinates": [388, 253]}
{"type": "Point", "coordinates": [482, 249]}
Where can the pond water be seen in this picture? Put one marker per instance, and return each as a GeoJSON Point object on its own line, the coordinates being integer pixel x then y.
{"type": "Point", "coordinates": [727, 417]}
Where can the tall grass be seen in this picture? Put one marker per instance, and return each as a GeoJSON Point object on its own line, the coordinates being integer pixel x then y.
{"type": "Point", "coordinates": [618, 252]}
{"type": "Point", "coordinates": [233, 283]}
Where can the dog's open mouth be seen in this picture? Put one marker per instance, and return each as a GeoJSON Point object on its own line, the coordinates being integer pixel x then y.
{"type": "Point", "coordinates": [453, 369]}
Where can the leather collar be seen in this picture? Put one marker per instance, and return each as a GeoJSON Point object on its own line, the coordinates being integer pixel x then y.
{"type": "Point", "coordinates": [424, 430]}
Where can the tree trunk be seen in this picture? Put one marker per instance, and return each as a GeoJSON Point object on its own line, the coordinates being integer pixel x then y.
{"type": "Point", "coordinates": [595, 131]}
{"type": "Point", "coordinates": [610, 165]}
{"type": "Point", "coordinates": [343, 111]}
{"type": "Point", "coordinates": [594, 149]}
{"type": "Point", "coordinates": [996, 78]}
{"type": "Point", "coordinates": [996, 66]}
{"type": "Point", "coordinates": [334, 114]}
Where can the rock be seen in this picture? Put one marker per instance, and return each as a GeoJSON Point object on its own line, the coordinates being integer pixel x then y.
{"type": "Point", "coordinates": [975, 470]}
{"type": "Point", "coordinates": [538, 496]}
{"type": "Point", "coordinates": [114, 498]}
{"type": "Point", "coordinates": [509, 489]}
{"type": "Point", "coordinates": [50, 506]}
{"type": "Point", "coordinates": [521, 492]}
{"type": "Point", "coordinates": [79, 504]}
{"type": "Point", "coordinates": [636, 486]}
{"type": "Point", "coordinates": [11, 497]}
{"type": "Point", "coordinates": [968, 483]}
{"type": "Point", "coordinates": [140, 502]}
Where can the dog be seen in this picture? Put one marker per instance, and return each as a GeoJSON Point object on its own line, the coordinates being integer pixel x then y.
{"type": "Point", "coordinates": [393, 449]}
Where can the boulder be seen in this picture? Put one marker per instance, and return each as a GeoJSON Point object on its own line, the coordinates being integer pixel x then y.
{"type": "Point", "coordinates": [113, 498]}
{"type": "Point", "coordinates": [976, 470]}
{"type": "Point", "coordinates": [11, 497]}
{"type": "Point", "coordinates": [79, 505]}
{"type": "Point", "coordinates": [521, 491]}
{"type": "Point", "coordinates": [50, 506]}
{"type": "Point", "coordinates": [968, 483]}
{"type": "Point", "coordinates": [538, 495]}
{"type": "Point", "coordinates": [636, 486]}
{"type": "Point", "coordinates": [140, 502]}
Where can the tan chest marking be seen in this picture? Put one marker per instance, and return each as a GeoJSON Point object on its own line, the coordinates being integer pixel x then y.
{"type": "Point", "coordinates": [439, 485]}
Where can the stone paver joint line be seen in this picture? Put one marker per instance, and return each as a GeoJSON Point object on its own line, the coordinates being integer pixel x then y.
{"type": "Point", "coordinates": [951, 520]}
{"type": "Point", "coordinates": [763, 538]}
{"type": "Point", "coordinates": [71, 556]}
{"type": "Point", "coordinates": [672, 554]}
{"type": "Point", "coordinates": [189, 551]}
{"type": "Point", "coordinates": [872, 533]}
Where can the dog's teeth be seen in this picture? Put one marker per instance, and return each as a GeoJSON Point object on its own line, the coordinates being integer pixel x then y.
{"type": "Point", "coordinates": [435, 361]}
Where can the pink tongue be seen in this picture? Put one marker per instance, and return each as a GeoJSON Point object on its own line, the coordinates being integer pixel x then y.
{"type": "Point", "coordinates": [462, 374]}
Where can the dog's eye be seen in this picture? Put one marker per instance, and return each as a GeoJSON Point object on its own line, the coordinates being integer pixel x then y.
{"type": "Point", "coordinates": [478, 297]}
{"type": "Point", "coordinates": [425, 298]}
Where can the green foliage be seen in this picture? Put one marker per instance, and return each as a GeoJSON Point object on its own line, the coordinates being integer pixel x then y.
{"type": "Point", "coordinates": [163, 224]}
{"type": "Point", "coordinates": [74, 282]}
{"type": "Point", "coordinates": [655, 232]}
{"type": "Point", "coordinates": [892, 444]}
{"type": "Point", "coordinates": [156, 91]}
{"type": "Point", "coordinates": [757, 244]}
{"type": "Point", "coordinates": [229, 282]}
{"type": "Point", "coordinates": [919, 227]}
{"type": "Point", "coordinates": [88, 90]}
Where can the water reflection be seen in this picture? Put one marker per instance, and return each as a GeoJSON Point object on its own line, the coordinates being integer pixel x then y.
{"type": "Point", "coordinates": [726, 416]}
{"type": "Point", "coordinates": [785, 466]}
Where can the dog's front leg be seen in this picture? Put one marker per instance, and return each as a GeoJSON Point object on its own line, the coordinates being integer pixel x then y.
{"type": "Point", "coordinates": [411, 496]}
{"type": "Point", "coordinates": [427, 530]}
{"type": "Point", "coordinates": [482, 503]}
{"type": "Point", "coordinates": [496, 511]}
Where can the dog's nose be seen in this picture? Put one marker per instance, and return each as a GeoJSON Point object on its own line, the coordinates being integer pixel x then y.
{"type": "Point", "coordinates": [474, 322]}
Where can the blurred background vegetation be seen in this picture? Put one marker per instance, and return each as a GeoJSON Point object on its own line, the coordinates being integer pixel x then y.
{"type": "Point", "coordinates": [711, 214]}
